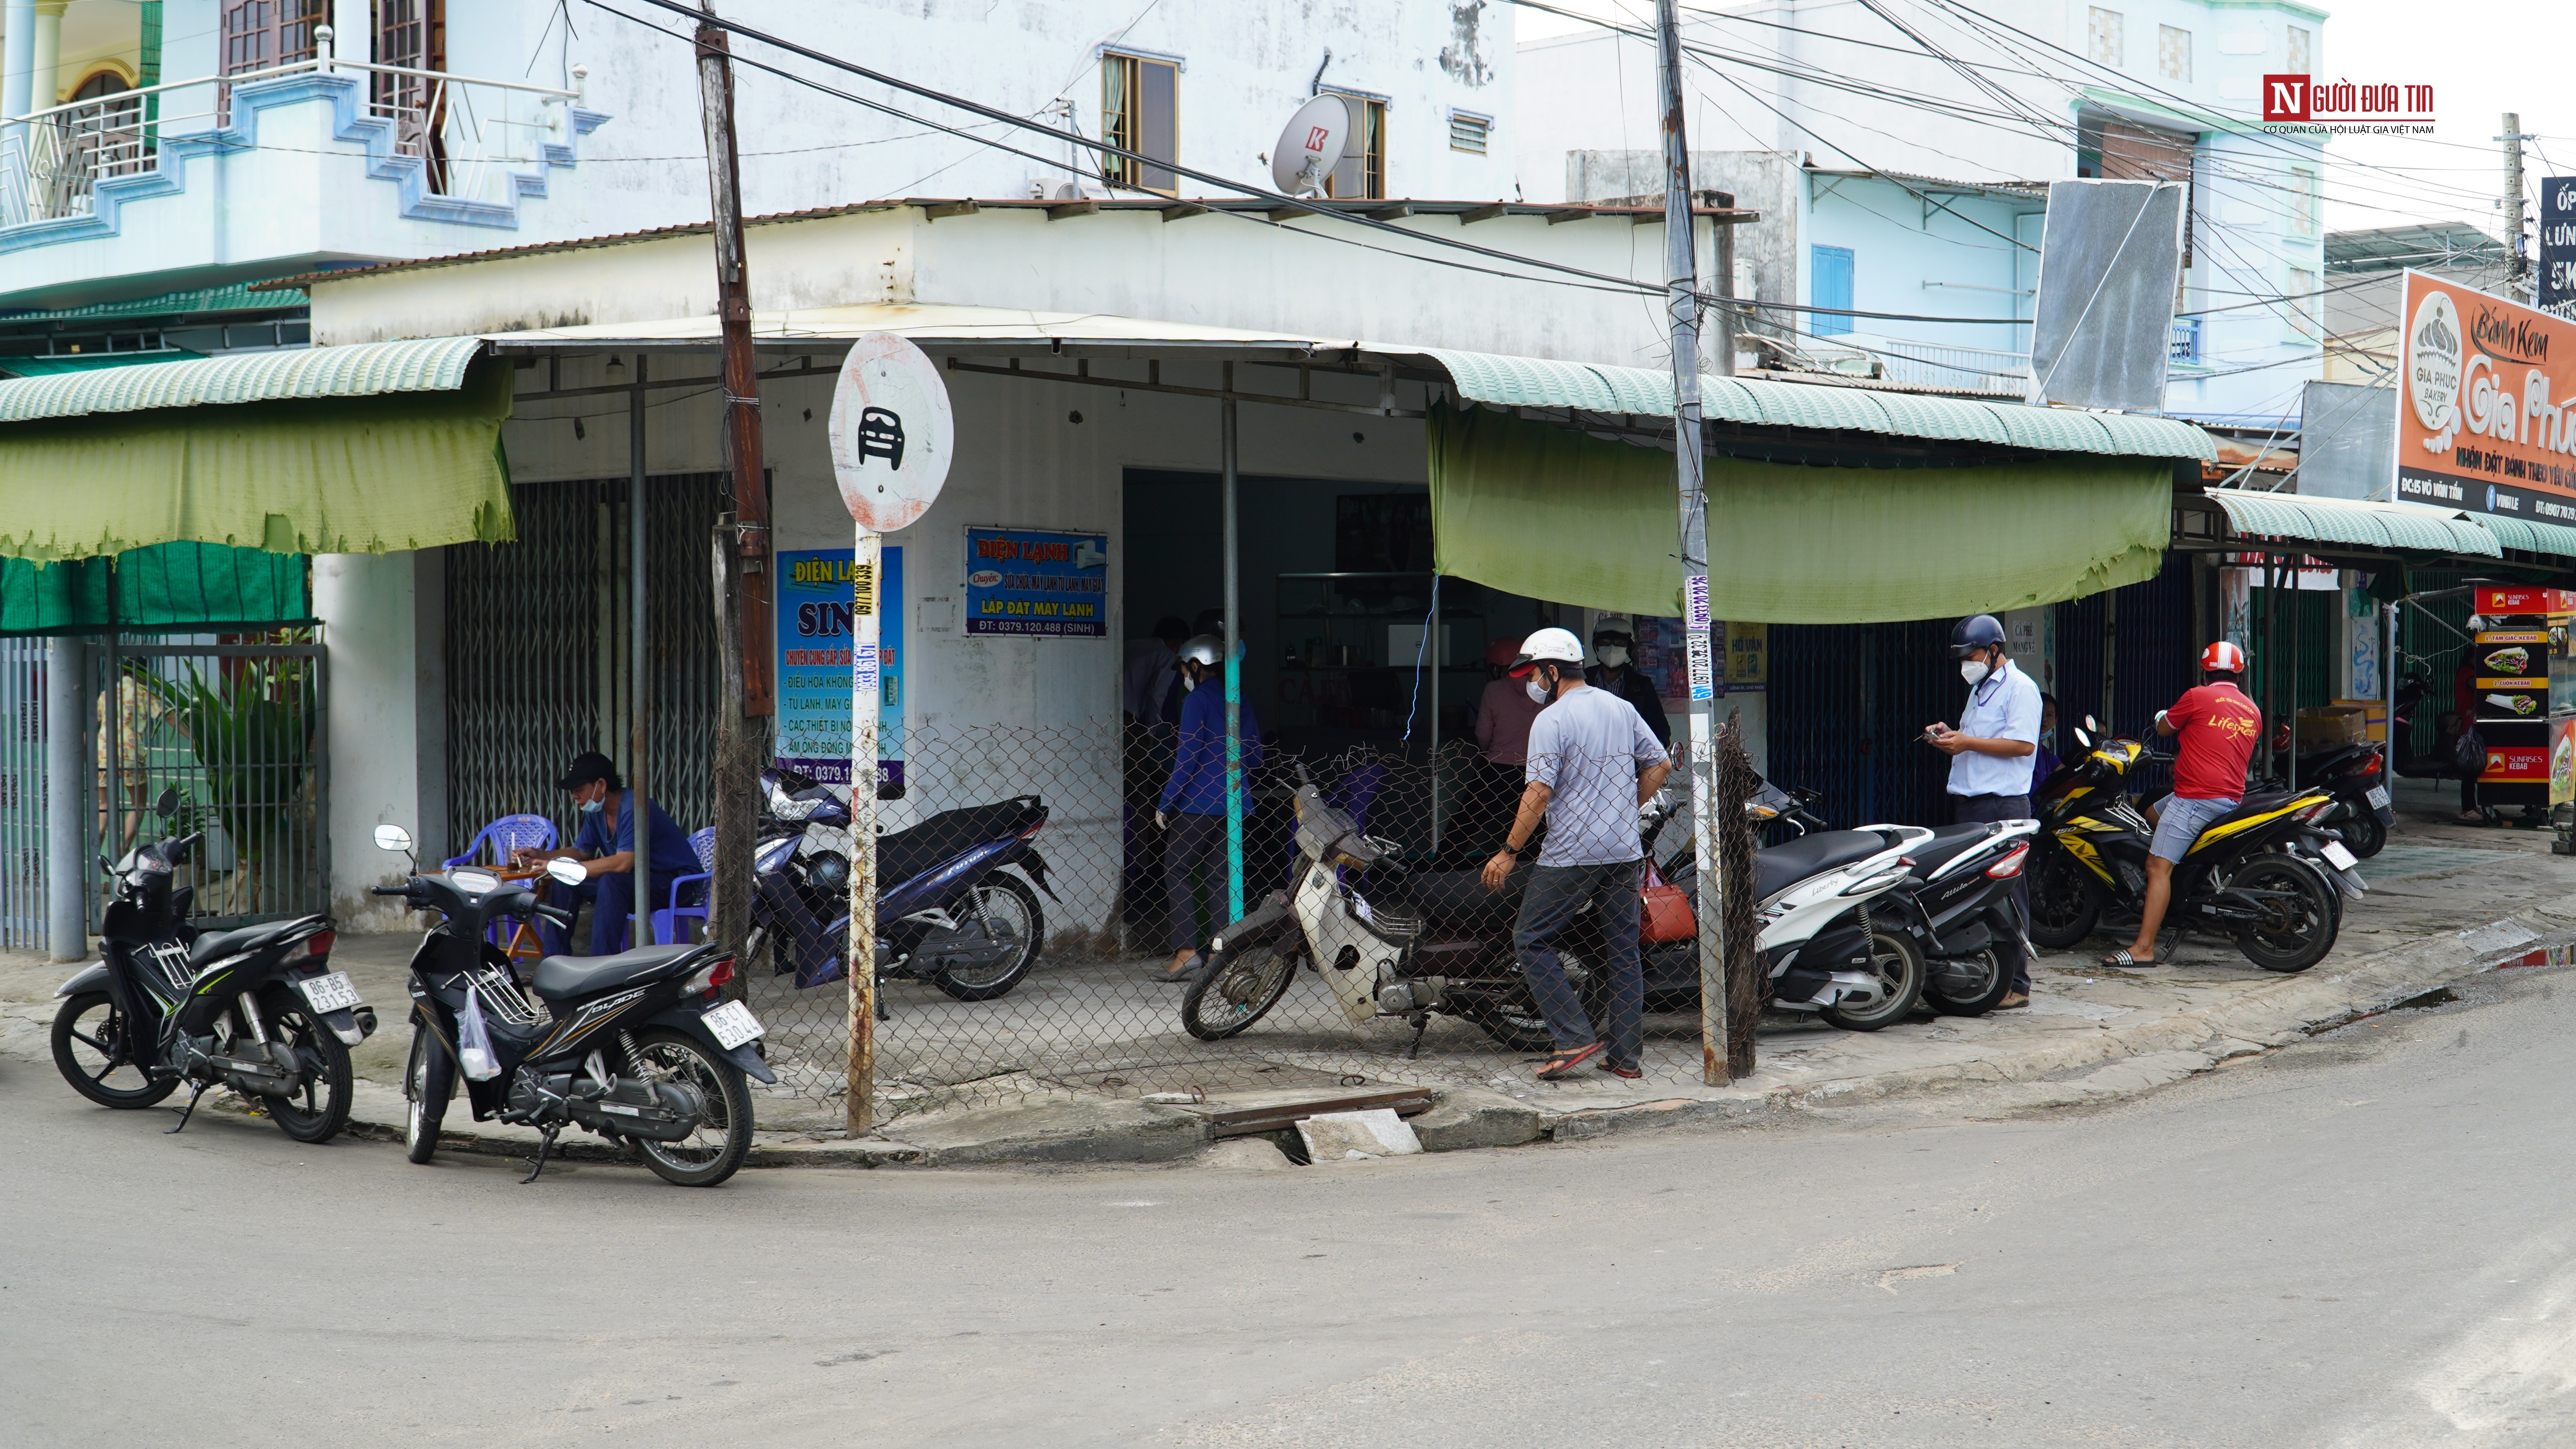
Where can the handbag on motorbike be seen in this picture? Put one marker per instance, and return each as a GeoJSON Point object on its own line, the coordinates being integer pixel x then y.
{"type": "Point", "coordinates": [1664, 911]}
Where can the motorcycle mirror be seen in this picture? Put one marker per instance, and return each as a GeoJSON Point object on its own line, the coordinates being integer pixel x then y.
{"type": "Point", "coordinates": [567, 870]}
{"type": "Point", "coordinates": [168, 804]}
{"type": "Point", "coordinates": [392, 837]}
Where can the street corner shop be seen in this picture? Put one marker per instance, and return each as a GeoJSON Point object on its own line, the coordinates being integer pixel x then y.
{"type": "Point", "coordinates": [1529, 487]}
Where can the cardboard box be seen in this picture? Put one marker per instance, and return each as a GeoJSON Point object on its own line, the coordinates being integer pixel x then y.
{"type": "Point", "coordinates": [2374, 717]}
{"type": "Point", "coordinates": [2327, 726]}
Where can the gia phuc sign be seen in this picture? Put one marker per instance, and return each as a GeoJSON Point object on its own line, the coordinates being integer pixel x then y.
{"type": "Point", "coordinates": [893, 432]}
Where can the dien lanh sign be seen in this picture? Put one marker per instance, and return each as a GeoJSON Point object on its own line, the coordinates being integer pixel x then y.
{"type": "Point", "coordinates": [816, 599]}
{"type": "Point", "coordinates": [1032, 582]}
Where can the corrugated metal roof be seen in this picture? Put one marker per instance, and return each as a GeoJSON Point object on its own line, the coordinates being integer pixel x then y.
{"type": "Point", "coordinates": [2532, 537]}
{"type": "Point", "coordinates": [68, 362]}
{"type": "Point", "coordinates": [2337, 520]}
{"type": "Point", "coordinates": [236, 298]}
{"type": "Point", "coordinates": [433, 364]}
{"type": "Point", "coordinates": [1535, 382]}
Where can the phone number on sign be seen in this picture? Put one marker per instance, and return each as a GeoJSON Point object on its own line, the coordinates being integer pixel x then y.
{"type": "Point", "coordinates": [1036, 626]}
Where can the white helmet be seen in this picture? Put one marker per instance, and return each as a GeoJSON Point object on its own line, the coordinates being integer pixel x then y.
{"type": "Point", "coordinates": [1551, 646]}
{"type": "Point", "coordinates": [1206, 650]}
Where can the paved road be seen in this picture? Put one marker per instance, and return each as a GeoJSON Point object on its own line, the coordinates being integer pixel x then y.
{"type": "Point", "coordinates": [2360, 1241]}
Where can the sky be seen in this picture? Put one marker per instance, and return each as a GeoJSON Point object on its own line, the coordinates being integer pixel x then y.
{"type": "Point", "coordinates": [2482, 57]}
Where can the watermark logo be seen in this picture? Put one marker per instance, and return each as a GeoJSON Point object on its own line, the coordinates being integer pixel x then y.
{"type": "Point", "coordinates": [2344, 108]}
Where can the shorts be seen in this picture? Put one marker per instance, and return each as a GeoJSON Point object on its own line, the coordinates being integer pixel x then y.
{"type": "Point", "coordinates": [2179, 823]}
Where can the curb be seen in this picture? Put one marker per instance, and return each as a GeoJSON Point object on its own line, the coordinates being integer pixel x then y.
{"type": "Point", "coordinates": [2121, 1062]}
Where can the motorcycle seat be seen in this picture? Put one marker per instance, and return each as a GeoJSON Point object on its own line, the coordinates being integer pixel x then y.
{"type": "Point", "coordinates": [2261, 802]}
{"type": "Point", "coordinates": [1946, 845]}
{"type": "Point", "coordinates": [1451, 902]}
{"type": "Point", "coordinates": [945, 836]}
{"type": "Point", "coordinates": [215, 945]}
{"type": "Point", "coordinates": [1785, 865]}
{"type": "Point", "coordinates": [561, 978]}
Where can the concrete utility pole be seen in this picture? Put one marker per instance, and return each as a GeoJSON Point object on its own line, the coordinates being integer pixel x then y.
{"type": "Point", "coordinates": [2518, 265]}
{"type": "Point", "coordinates": [1681, 254]}
{"type": "Point", "coordinates": [742, 541]}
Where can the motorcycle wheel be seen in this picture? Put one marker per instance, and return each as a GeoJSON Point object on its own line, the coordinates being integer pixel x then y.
{"type": "Point", "coordinates": [1514, 1026]}
{"type": "Point", "coordinates": [2298, 908]}
{"type": "Point", "coordinates": [1897, 962]}
{"type": "Point", "coordinates": [1998, 985]}
{"type": "Point", "coordinates": [720, 1145]}
{"type": "Point", "coordinates": [87, 1051]}
{"type": "Point", "coordinates": [318, 1112]}
{"type": "Point", "coordinates": [1006, 904]}
{"type": "Point", "coordinates": [1236, 990]}
{"type": "Point", "coordinates": [429, 1080]}
{"type": "Point", "coordinates": [2064, 901]}
{"type": "Point", "coordinates": [2362, 834]}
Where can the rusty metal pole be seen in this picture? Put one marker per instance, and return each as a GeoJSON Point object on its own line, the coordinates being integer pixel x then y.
{"type": "Point", "coordinates": [1681, 253]}
{"type": "Point", "coordinates": [742, 550]}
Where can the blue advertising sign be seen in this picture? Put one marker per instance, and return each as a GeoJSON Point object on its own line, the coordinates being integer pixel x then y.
{"type": "Point", "coordinates": [814, 635]}
{"type": "Point", "coordinates": [1030, 581]}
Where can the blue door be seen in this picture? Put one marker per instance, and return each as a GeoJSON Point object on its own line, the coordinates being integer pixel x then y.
{"type": "Point", "coordinates": [1832, 287]}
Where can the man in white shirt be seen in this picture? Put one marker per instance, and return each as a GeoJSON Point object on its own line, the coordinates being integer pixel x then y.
{"type": "Point", "coordinates": [1991, 755]}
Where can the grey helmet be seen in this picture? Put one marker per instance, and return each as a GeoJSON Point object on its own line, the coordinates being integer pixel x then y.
{"type": "Point", "coordinates": [1206, 650]}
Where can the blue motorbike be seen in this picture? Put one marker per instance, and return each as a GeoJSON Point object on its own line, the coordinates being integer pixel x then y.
{"type": "Point", "coordinates": [955, 906]}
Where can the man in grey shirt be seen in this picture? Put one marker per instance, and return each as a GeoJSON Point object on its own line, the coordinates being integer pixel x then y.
{"type": "Point", "coordinates": [1592, 763]}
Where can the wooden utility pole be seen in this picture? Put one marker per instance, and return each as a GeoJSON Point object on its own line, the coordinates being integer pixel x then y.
{"type": "Point", "coordinates": [1681, 254]}
{"type": "Point", "coordinates": [742, 578]}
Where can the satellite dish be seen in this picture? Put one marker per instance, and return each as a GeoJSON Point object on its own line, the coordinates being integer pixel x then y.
{"type": "Point", "coordinates": [892, 432]}
{"type": "Point", "coordinates": [1310, 145]}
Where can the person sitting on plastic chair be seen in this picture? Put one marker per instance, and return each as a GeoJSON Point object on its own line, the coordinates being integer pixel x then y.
{"type": "Point", "coordinates": [605, 843]}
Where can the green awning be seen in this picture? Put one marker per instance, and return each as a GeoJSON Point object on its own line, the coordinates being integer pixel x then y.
{"type": "Point", "coordinates": [2368, 525]}
{"type": "Point", "coordinates": [1554, 513]}
{"type": "Point", "coordinates": [362, 449]}
{"type": "Point", "coordinates": [2530, 536]}
{"type": "Point", "coordinates": [62, 363]}
{"type": "Point", "coordinates": [1537, 382]}
{"type": "Point", "coordinates": [170, 586]}
{"type": "Point", "coordinates": [235, 298]}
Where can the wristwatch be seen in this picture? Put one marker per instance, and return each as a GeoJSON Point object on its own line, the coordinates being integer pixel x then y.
{"type": "Point", "coordinates": [1511, 849]}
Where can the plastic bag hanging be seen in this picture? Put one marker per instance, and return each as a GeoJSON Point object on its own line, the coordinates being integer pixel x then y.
{"type": "Point", "coordinates": [474, 1042]}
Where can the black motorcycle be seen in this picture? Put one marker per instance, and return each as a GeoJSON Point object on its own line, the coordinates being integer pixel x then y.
{"type": "Point", "coordinates": [953, 906]}
{"type": "Point", "coordinates": [258, 1010]}
{"type": "Point", "coordinates": [640, 1048]}
{"type": "Point", "coordinates": [1959, 907]}
{"type": "Point", "coordinates": [2356, 775]}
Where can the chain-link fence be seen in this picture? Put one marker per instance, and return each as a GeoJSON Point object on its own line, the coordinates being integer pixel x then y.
{"type": "Point", "coordinates": [1068, 953]}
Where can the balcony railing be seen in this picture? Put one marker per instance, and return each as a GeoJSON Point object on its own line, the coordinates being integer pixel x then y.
{"type": "Point", "coordinates": [470, 135]}
{"type": "Point", "coordinates": [2186, 340]}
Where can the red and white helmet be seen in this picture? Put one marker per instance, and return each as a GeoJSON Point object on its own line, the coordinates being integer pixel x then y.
{"type": "Point", "coordinates": [2222, 658]}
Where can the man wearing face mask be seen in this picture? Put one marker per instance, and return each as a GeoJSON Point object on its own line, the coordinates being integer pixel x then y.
{"type": "Point", "coordinates": [605, 843]}
{"type": "Point", "coordinates": [1193, 802]}
{"type": "Point", "coordinates": [1592, 763]}
{"type": "Point", "coordinates": [1618, 673]}
{"type": "Point", "coordinates": [1991, 755]}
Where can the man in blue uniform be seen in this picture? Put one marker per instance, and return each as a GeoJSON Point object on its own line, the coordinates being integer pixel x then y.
{"type": "Point", "coordinates": [605, 843]}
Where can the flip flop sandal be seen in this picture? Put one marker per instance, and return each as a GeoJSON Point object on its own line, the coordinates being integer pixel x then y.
{"type": "Point", "coordinates": [1563, 1063]}
{"type": "Point", "coordinates": [2123, 958]}
{"type": "Point", "coordinates": [1623, 1071]}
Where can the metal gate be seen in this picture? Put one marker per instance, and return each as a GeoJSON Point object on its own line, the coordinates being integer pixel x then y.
{"type": "Point", "coordinates": [22, 794]}
{"type": "Point", "coordinates": [237, 732]}
{"type": "Point", "coordinates": [538, 657]}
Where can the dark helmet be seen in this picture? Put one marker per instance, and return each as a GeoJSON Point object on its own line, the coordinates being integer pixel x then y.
{"type": "Point", "coordinates": [829, 870]}
{"type": "Point", "coordinates": [1975, 634]}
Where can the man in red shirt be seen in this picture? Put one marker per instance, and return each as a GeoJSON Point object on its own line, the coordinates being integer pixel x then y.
{"type": "Point", "coordinates": [2217, 726]}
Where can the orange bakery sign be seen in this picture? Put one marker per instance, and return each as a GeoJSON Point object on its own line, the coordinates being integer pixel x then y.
{"type": "Point", "coordinates": [2486, 409]}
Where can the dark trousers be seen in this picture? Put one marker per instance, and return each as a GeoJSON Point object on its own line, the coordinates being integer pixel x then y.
{"type": "Point", "coordinates": [1557, 894]}
{"type": "Point", "coordinates": [1194, 844]}
{"type": "Point", "coordinates": [612, 909]}
{"type": "Point", "coordinates": [1982, 810]}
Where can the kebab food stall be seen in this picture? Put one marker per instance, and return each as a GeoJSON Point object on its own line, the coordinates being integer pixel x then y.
{"type": "Point", "coordinates": [2524, 699]}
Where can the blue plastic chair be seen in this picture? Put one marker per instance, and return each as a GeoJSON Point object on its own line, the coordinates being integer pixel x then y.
{"type": "Point", "coordinates": [666, 921]}
{"type": "Point", "coordinates": [509, 833]}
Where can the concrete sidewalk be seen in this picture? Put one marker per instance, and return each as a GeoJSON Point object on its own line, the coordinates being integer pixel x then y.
{"type": "Point", "coordinates": [2445, 901]}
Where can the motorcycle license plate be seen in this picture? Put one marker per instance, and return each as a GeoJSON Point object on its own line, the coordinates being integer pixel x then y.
{"type": "Point", "coordinates": [733, 1024]}
{"type": "Point", "coordinates": [334, 992]}
{"type": "Point", "coordinates": [2379, 797]}
{"type": "Point", "coordinates": [2339, 857]}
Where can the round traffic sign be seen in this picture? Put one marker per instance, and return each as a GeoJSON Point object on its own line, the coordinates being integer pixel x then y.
{"type": "Point", "coordinates": [893, 432]}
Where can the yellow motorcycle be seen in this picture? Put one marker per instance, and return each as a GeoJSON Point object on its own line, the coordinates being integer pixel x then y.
{"type": "Point", "coordinates": [2267, 875]}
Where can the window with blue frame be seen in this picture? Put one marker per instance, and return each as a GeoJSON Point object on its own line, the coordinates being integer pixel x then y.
{"type": "Point", "coordinates": [1831, 269]}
